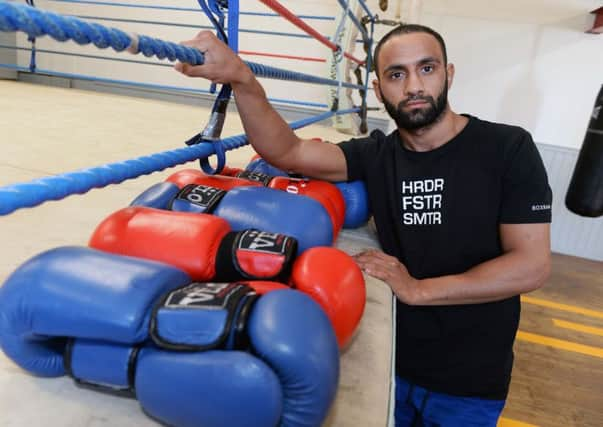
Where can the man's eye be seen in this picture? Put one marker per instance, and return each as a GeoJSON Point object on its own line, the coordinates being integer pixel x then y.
{"type": "Point", "coordinates": [396, 75]}
{"type": "Point", "coordinates": [427, 68]}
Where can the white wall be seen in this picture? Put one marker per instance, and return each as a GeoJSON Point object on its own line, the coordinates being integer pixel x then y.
{"type": "Point", "coordinates": [543, 74]}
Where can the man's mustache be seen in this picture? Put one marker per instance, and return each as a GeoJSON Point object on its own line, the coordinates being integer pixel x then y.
{"type": "Point", "coordinates": [414, 98]}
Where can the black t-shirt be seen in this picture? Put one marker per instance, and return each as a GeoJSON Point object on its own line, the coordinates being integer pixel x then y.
{"type": "Point", "coordinates": [439, 213]}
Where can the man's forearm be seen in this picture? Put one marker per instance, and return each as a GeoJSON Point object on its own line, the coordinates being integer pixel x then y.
{"type": "Point", "coordinates": [266, 130]}
{"type": "Point", "coordinates": [507, 275]}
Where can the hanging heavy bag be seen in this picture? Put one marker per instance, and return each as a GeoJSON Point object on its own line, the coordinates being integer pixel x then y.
{"type": "Point", "coordinates": [585, 193]}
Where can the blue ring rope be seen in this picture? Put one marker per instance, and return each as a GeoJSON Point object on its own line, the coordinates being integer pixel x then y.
{"type": "Point", "coordinates": [205, 27]}
{"type": "Point", "coordinates": [186, 9]}
{"type": "Point", "coordinates": [366, 9]}
{"type": "Point", "coordinates": [36, 23]}
{"type": "Point", "coordinates": [33, 193]}
{"type": "Point", "coordinates": [345, 6]}
{"type": "Point", "coordinates": [43, 71]}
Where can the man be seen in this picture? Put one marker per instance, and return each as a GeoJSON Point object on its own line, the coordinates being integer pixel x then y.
{"type": "Point", "coordinates": [462, 210]}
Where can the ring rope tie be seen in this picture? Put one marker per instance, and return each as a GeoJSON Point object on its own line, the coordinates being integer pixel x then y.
{"type": "Point", "coordinates": [34, 22]}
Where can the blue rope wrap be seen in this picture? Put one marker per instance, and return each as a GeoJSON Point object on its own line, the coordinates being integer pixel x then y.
{"type": "Point", "coordinates": [280, 74]}
{"type": "Point", "coordinates": [33, 193]}
{"type": "Point", "coordinates": [34, 22]}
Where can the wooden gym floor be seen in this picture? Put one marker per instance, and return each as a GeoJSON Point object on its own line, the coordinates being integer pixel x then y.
{"type": "Point", "coordinates": [558, 374]}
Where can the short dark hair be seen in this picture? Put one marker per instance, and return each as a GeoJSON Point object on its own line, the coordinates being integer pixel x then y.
{"type": "Point", "coordinates": [408, 29]}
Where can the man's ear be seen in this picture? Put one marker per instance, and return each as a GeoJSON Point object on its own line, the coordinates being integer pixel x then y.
{"type": "Point", "coordinates": [377, 90]}
{"type": "Point", "coordinates": [450, 74]}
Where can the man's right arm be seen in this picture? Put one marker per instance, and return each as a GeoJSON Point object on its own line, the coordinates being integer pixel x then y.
{"type": "Point", "coordinates": [267, 132]}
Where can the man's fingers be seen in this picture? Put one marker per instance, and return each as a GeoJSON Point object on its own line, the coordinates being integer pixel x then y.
{"type": "Point", "coordinates": [189, 70]}
{"type": "Point", "coordinates": [376, 271]}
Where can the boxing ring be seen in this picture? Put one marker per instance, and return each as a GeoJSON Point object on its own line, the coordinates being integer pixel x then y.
{"type": "Point", "coordinates": [363, 396]}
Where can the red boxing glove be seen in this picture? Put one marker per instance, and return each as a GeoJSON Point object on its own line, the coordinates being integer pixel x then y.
{"type": "Point", "coordinates": [323, 192]}
{"type": "Point", "coordinates": [223, 182]}
{"type": "Point", "coordinates": [262, 287]}
{"type": "Point", "coordinates": [202, 245]}
{"type": "Point", "coordinates": [332, 278]}
{"type": "Point", "coordinates": [327, 194]}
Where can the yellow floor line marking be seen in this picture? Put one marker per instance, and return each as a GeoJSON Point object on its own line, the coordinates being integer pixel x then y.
{"type": "Point", "coordinates": [563, 307]}
{"type": "Point", "coordinates": [578, 327]}
{"type": "Point", "coordinates": [508, 422]}
{"type": "Point", "coordinates": [561, 344]}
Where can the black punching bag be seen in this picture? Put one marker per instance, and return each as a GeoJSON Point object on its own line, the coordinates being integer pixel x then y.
{"type": "Point", "coordinates": [585, 193]}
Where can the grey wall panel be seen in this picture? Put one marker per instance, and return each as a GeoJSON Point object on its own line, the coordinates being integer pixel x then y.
{"type": "Point", "coordinates": [571, 234]}
{"type": "Point", "coordinates": [8, 56]}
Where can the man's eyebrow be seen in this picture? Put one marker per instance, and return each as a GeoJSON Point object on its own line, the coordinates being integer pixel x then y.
{"type": "Point", "coordinates": [429, 59]}
{"type": "Point", "coordinates": [422, 61]}
{"type": "Point", "coordinates": [395, 67]}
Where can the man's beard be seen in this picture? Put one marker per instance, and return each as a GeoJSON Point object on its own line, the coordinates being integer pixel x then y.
{"type": "Point", "coordinates": [417, 118]}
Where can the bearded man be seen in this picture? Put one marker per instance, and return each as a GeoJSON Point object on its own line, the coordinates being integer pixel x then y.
{"type": "Point", "coordinates": [462, 212]}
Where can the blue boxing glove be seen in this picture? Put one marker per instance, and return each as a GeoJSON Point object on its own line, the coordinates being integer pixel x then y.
{"type": "Point", "coordinates": [259, 165]}
{"type": "Point", "coordinates": [96, 313]}
{"type": "Point", "coordinates": [287, 331]}
{"type": "Point", "coordinates": [183, 389]}
{"type": "Point", "coordinates": [357, 210]}
{"type": "Point", "coordinates": [78, 292]}
{"type": "Point", "coordinates": [260, 208]}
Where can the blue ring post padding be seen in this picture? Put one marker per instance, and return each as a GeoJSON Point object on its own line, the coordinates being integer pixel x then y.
{"type": "Point", "coordinates": [233, 25]}
{"type": "Point", "coordinates": [15, 17]}
{"type": "Point", "coordinates": [33, 193]}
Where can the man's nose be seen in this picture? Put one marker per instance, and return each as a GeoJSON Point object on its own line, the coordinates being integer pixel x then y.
{"type": "Point", "coordinates": [414, 84]}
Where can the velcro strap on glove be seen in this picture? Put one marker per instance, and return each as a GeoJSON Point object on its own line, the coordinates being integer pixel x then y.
{"type": "Point", "coordinates": [255, 255]}
{"type": "Point", "coordinates": [116, 376]}
{"type": "Point", "coordinates": [197, 198]}
{"type": "Point", "coordinates": [255, 176]}
{"type": "Point", "coordinates": [199, 316]}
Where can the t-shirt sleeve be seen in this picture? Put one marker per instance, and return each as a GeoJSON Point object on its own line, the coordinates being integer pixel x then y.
{"type": "Point", "coordinates": [526, 195]}
{"type": "Point", "coordinates": [357, 152]}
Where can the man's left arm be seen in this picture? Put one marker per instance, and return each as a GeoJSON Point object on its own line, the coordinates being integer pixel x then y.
{"type": "Point", "coordinates": [523, 267]}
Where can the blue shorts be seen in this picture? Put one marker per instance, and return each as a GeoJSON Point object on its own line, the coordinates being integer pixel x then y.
{"type": "Point", "coordinates": [416, 406]}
